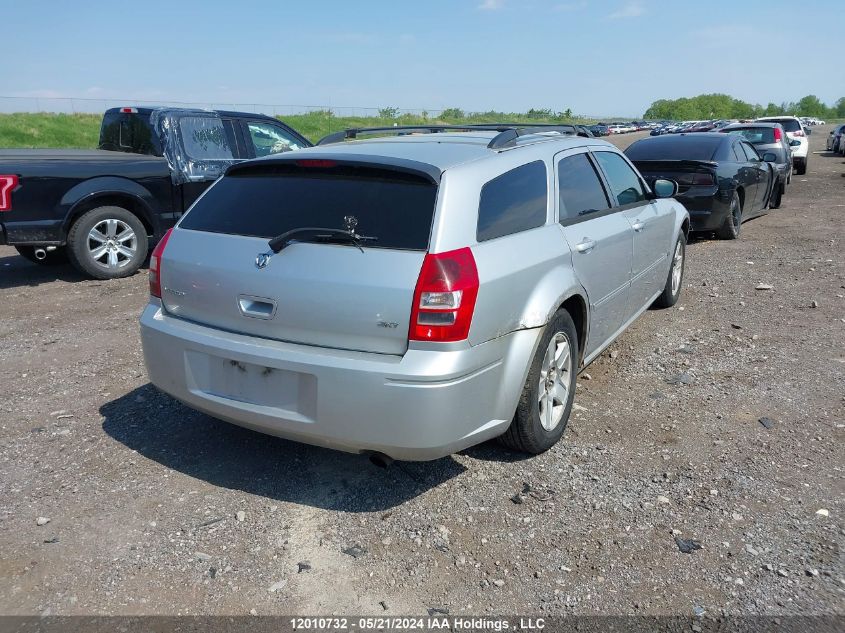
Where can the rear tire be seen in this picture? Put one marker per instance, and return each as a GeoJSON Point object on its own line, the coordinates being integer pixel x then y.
{"type": "Point", "coordinates": [55, 257]}
{"type": "Point", "coordinates": [732, 226]}
{"type": "Point", "coordinates": [802, 167]}
{"type": "Point", "coordinates": [777, 196]}
{"type": "Point", "coordinates": [107, 243]}
{"type": "Point", "coordinates": [546, 401]}
{"type": "Point", "coordinates": [675, 278]}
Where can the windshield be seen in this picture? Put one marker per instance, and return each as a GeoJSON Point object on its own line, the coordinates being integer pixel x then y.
{"type": "Point", "coordinates": [394, 207]}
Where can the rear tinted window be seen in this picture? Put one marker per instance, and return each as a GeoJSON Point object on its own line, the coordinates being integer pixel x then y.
{"type": "Point", "coordinates": [515, 201]}
{"type": "Point", "coordinates": [675, 147]}
{"type": "Point", "coordinates": [581, 191]}
{"type": "Point", "coordinates": [265, 202]}
{"type": "Point", "coordinates": [790, 125]}
{"type": "Point", "coordinates": [756, 135]}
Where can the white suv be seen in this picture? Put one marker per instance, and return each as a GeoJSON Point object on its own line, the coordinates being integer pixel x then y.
{"type": "Point", "coordinates": [795, 132]}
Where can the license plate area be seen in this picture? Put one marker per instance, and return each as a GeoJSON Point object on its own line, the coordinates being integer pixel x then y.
{"type": "Point", "coordinates": [251, 385]}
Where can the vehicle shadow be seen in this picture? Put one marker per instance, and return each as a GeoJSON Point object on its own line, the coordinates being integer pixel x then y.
{"type": "Point", "coordinates": [16, 271]}
{"type": "Point", "coordinates": [187, 441]}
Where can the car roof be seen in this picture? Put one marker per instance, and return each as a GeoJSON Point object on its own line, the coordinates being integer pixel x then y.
{"type": "Point", "coordinates": [441, 150]}
{"type": "Point", "coordinates": [777, 118]}
{"type": "Point", "coordinates": [146, 110]}
{"type": "Point", "coordinates": [743, 126]}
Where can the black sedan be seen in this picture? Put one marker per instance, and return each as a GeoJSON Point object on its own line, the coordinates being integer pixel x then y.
{"type": "Point", "coordinates": [722, 180]}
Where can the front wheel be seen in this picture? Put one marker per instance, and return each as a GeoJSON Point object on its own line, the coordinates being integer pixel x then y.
{"type": "Point", "coordinates": [107, 243]}
{"type": "Point", "coordinates": [675, 278]}
{"type": "Point", "coordinates": [546, 401]}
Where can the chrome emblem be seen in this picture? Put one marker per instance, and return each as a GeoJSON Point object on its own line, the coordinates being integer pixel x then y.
{"type": "Point", "coordinates": [262, 260]}
{"type": "Point", "coordinates": [351, 222]}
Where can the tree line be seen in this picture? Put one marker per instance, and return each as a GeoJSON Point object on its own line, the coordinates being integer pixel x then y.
{"type": "Point", "coordinates": [721, 106]}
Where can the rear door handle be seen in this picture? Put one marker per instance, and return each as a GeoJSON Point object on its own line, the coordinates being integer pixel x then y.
{"type": "Point", "coordinates": [585, 245]}
{"type": "Point", "coordinates": [638, 225]}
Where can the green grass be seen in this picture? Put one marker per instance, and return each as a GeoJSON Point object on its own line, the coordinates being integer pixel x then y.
{"type": "Point", "coordinates": [49, 130]}
{"type": "Point", "coordinates": [42, 130]}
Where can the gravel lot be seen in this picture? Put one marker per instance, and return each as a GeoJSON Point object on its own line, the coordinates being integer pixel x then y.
{"type": "Point", "coordinates": [153, 508]}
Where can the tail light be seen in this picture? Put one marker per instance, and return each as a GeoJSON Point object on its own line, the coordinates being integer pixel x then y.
{"type": "Point", "coordinates": [778, 135]}
{"type": "Point", "coordinates": [700, 178]}
{"type": "Point", "coordinates": [444, 298]}
{"type": "Point", "coordinates": [798, 133]}
{"type": "Point", "coordinates": [7, 185]}
{"type": "Point", "coordinates": [155, 265]}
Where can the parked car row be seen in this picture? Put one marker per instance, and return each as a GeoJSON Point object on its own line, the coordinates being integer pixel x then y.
{"type": "Point", "coordinates": [724, 178]}
{"type": "Point", "coordinates": [810, 120]}
{"type": "Point", "coordinates": [380, 293]}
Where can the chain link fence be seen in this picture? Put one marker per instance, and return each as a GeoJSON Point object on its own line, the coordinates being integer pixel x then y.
{"type": "Point", "coordinates": [71, 105]}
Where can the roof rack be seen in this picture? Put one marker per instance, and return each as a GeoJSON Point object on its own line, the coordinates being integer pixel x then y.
{"type": "Point", "coordinates": [506, 137]}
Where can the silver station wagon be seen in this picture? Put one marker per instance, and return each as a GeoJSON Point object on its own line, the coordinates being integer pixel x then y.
{"type": "Point", "coordinates": [410, 295]}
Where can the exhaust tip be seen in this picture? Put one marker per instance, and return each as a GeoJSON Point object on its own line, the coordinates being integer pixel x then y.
{"type": "Point", "coordinates": [381, 460]}
{"type": "Point", "coordinates": [40, 254]}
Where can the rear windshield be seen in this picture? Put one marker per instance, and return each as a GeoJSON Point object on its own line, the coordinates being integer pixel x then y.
{"type": "Point", "coordinates": [675, 148]}
{"type": "Point", "coordinates": [394, 207]}
{"type": "Point", "coordinates": [790, 125]}
{"type": "Point", "coordinates": [756, 135]}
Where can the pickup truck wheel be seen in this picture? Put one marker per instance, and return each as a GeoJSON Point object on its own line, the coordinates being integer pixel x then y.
{"type": "Point", "coordinates": [675, 278]}
{"type": "Point", "coordinates": [732, 225]}
{"type": "Point", "coordinates": [547, 396]}
{"type": "Point", "coordinates": [56, 257]}
{"type": "Point", "coordinates": [107, 243]}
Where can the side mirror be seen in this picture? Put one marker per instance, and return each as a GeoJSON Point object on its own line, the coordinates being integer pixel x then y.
{"type": "Point", "coordinates": [808, 131]}
{"type": "Point", "coordinates": [664, 188]}
{"type": "Point", "coordinates": [770, 157]}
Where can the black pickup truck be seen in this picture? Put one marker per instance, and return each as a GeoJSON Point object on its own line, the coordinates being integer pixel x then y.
{"type": "Point", "coordinates": [103, 209]}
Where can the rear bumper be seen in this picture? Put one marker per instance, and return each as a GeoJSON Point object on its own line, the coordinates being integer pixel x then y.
{"type": "Point", "coordinates": [706, 206]}
{"type": "Point", "coordinates": [36, 233]}
{"type": "Point", "coordinates": [420, 406]}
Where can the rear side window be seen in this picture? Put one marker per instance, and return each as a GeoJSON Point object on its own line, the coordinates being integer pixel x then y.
{"type": "Point", "coordinates": [750, 152]}
{"type": "Point", "coordinates": [513, 202]}
{"type": "Point", "coordinates": [394, 207]}
{"type": "Point", "coordinates": [581, 191]}
{"type": "Point", "coordinates": [623, 181]}
{"type": "Point", "coordinates": [204, 138]}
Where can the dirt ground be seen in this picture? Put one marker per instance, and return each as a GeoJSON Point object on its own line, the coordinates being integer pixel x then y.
{"type": "Point", "coordinates": [143, 495]}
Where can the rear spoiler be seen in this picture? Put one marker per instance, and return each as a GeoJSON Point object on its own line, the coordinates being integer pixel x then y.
{"type": "Point", "coordinates": [326, 160]}
{"type": "Point", "coordinates": [676, 163]}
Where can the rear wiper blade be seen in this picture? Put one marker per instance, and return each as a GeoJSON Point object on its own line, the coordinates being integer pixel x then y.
{"type": "Point", "coordinates": [314, 233]}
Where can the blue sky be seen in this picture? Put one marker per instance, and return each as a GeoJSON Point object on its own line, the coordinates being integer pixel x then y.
{"type": "Point", "coordinates": [602, 57]}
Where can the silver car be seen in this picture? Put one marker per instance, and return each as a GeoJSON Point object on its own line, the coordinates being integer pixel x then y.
{"type": "Point", "coordinates": [412, 295]}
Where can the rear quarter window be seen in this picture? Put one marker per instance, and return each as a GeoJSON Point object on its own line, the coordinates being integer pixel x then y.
{"type": "Point", "coordinates": [266, 201]}
{"type": "Point", "coordinates": [513, 202]}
